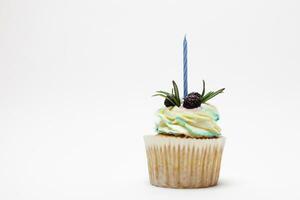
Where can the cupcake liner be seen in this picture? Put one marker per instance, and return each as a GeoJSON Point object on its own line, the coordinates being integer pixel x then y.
{"type": "Point", "coordinates": [183, 162]}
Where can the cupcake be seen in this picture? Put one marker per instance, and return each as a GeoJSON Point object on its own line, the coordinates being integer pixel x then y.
{"type": "Point", "coordinates": [187, 148]}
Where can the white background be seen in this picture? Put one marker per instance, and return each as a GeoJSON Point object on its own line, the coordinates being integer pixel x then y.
{"type": "Point", "coordinates": [76, 79]}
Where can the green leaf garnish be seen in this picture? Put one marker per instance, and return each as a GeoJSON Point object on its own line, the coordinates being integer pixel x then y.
{"type": "Point", "coordinates": [211, 95]}
{"type": "Point", "coordinates": [163, 92]}
{"type": "Point", "coordinates": [177, 98]}
{"type": "Point", "coordinates": [173, 97]}
{"type": "Point", "coordinates": [203, 88]}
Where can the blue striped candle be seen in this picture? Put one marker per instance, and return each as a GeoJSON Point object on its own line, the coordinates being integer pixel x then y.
{"type": "Point", "coordinates": [185, 70]}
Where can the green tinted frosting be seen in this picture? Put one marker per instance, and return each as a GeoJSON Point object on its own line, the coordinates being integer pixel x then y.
{"type": "Point", "coordinates": [197, 122]}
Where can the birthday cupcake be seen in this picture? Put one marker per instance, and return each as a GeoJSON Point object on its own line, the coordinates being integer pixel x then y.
{"type": "Point", "coordinates": [186, 152]}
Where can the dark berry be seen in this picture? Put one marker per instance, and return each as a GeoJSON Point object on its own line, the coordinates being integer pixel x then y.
{"type": "Point", "coordinates": [195, 93]}
{"type": "Point", "coordinates": [168, 103]}
{"type": "Point", "coordinates": [192, 100]}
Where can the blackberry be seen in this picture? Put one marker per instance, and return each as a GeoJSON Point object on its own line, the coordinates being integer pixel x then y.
{"type": "Point", "coordinates": [168, 103]}
{"type": "Point", "coordinates": [192, 100]}
{"type": "Point", "coordinates": [195, 93]}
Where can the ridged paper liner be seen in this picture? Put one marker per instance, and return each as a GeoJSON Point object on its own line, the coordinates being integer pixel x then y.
{"type": "Point", "coordinates": [183, 162]}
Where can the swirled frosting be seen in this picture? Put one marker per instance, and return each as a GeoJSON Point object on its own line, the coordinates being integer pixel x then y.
{"type": "Point", "coordinates": [197, 122]}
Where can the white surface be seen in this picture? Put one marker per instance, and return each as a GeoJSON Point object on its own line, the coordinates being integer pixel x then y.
{"type": "Point", "coordinates": [76, 79]}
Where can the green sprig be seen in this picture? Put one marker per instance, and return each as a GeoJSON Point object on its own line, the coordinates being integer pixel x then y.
{"type": "Point", "coordinates": [173, 97]}
{"type": "Point", "coordinates": [205, 97]}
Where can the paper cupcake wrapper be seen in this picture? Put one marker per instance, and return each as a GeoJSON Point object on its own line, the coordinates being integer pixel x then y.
{"type": "Point", "coordinates": [183, 162]}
